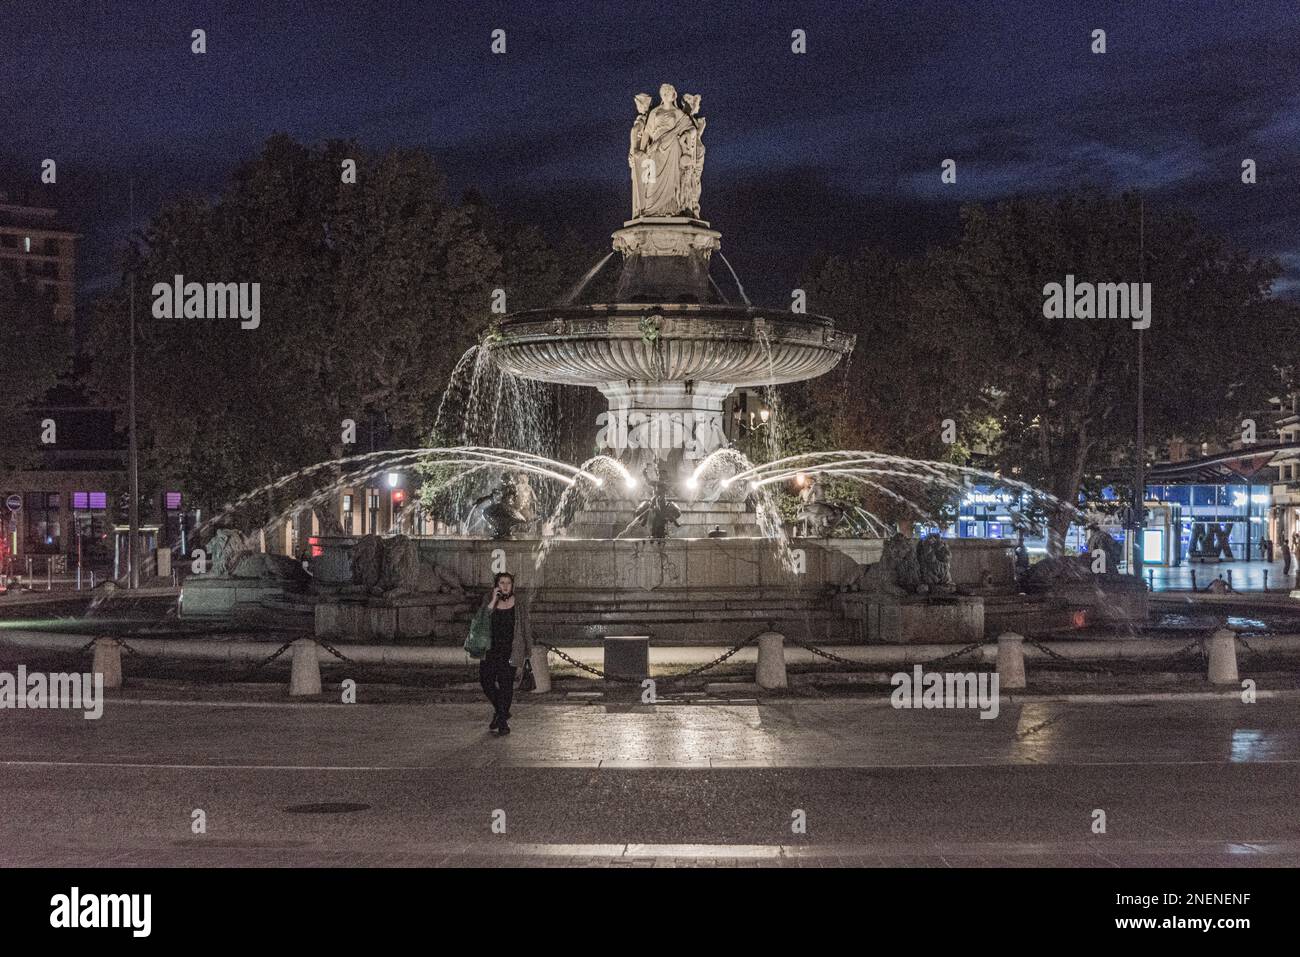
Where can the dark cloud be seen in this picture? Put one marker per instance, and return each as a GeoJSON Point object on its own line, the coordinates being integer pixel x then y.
{"type": "Point", "coordinates": [829, 150]}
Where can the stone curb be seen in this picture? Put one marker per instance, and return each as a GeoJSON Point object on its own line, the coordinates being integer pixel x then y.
{"type": "Point", "coordinates": [1286, 694]}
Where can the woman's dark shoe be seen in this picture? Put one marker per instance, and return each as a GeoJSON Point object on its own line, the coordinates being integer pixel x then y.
{"type": "Point", "coordinates": [496, 722]}
{"type": "Point", "coordinates": [503, 728]}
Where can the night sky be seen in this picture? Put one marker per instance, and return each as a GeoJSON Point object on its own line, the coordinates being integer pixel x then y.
{"type": "Point", "coordinates": [829, 150]}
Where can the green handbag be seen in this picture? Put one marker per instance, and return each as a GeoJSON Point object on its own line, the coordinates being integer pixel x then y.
{"type": "Point", "coordinates": [480, 634]}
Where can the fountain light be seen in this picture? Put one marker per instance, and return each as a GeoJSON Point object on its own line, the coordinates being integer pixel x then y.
{"type": "Point", "coordinates": [630, 481]}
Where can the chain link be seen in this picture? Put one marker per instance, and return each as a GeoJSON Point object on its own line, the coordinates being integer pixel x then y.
{"type": "Point", "coordinates": [267, 660]}
{"type": "Point", "coordinates": [120, 641]}
{"type": "Point", "coordinates": [830, 656]}
{"type": "Point", "coordinates": [1117, 667]}
{"type": "Point", "coordinates": [661, 680]}
{"type": "Point", "coordinates": [1245, 644]}
{"type": "Point", "coordinates": [335, 652]}
{"type": "Point", "coordinates": [955, 654]}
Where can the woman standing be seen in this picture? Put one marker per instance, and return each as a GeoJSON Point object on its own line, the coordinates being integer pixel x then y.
{"type": "Point", "coordinates": [511, 645]}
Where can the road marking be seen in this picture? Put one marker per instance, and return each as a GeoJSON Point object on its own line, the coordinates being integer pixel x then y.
{"type": "Point", "coordinates": [722, 764]}
{"type": "Point", "coordinates": [453, 852]}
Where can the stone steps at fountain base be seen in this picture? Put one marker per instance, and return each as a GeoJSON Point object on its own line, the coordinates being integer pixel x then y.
{"type": "Point", "coordinates": [719, 617]}
{"type": "Point", "coordinates": [708, 613]}
{"type": "Point", "coordinates": [727, 631]}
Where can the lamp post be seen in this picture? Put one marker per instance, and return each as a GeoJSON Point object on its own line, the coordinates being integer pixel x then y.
{"type": "Point", "coordinates": [1139, 478]}
{"type": "Point", "coordinates": [133, 464]}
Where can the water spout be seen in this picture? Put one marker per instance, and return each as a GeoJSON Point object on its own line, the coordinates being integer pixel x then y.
{"type": "Point", "coordinates": [572, 295]}
{"type": "Point", "coordinates": [735, 278]}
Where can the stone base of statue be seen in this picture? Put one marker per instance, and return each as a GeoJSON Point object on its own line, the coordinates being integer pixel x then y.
{"type": "Point", "coordinates": [666, 259]}
{"type": "Point", "coordinates": [904, 619]}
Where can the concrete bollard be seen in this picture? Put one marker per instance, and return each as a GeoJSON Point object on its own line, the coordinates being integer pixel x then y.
{"type": "Point", "coordinates": [304, 678]}
{"type": "Point", "coordinates": [1011, 661]}
{"type": "Point", "coordinates": [1223, 658]}
{"type": "Point", "coordinates": [108, 661]}
{"type": "Point", "coordinates": [541, 660]}
{"type": "Point", "coordinates": [770, 672]}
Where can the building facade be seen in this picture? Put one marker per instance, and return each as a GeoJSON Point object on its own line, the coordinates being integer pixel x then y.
{"type": "Point", "coordinates": [38, 247]}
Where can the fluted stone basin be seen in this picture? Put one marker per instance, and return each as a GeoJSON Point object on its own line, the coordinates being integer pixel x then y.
{"type": "Point", "coordinates": [668, 342]}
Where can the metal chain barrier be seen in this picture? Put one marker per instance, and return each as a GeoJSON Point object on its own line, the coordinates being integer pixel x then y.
{"type": "Point", "coordinates": [660, 680]}
{"type": "Point", "coordinates": [830, 656]}
{"type": "Point", "coordinates": [952, 655]}
{"type": "Point", "coordinates": [359, 670]}
{"type": "Point", "coordinates": [335, 652]}
{"type": "Point", "coordinates": [121, 642]}
{"type": "Point", "coordinates": [1117, 667]}
{"type": "Point", "coordinates": [578, 664]}
{"type": "Point", "coordinates": [1247, 645]}
{"type": "Point", "coordinates": [268, 659]}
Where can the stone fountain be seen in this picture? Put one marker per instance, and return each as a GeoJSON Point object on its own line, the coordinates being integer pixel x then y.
{"type": "Point", "coordinates": [668, 348]}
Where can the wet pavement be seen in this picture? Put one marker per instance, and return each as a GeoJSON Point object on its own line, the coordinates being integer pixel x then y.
{"type": "Point", "coordinates": [1189, 783]}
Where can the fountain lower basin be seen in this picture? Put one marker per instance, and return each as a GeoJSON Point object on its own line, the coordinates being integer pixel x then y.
{"type": "Point", "coordinates": [598, 345]}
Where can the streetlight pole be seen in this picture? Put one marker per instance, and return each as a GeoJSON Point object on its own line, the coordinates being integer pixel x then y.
{"type": "Point", "coordinates": [133, 465]}
{"type": "Point", "coordinates": [1139, 477]}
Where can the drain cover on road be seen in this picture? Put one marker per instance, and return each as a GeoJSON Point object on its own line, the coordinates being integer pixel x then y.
{"type": "Point", "coordinates": [326, 807]}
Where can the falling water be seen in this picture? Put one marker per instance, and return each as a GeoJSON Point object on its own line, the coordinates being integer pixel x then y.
{"type": "Point", "coordinates": [735, 278]}
{"type": "Point", "coordinates": [456, 465]}
{"type": "Point", "coordinates": [771, 399]}
{"type": "Point", "coordinates": [596, 471]}
{"type": "Point", "coordinates": [572, 295]}
{"type": "Point", "coordinates": [889, 475]}
{"type": "Point", "coordinates": [486, 406]}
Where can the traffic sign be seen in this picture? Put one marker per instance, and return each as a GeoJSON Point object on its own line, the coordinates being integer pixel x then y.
{"type": "Point", "coordinates": [15, 503]}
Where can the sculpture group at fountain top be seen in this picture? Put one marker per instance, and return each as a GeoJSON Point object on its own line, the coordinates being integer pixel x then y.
{"type": "Point", "coordinates": [666, 345]}
{"type": "Point", "coordinates": [666, 155]}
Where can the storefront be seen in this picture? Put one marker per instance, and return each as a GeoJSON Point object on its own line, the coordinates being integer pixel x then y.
{"type": "Point", "coordinates": [1176, 529]}
{"type": "Point", "coordinates": [1242, 510]}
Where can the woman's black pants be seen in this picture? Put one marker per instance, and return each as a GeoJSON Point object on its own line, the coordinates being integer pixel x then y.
{"type": "Point", "coordinates": [498, 680]}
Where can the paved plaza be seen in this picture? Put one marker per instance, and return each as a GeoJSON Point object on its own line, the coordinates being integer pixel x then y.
{"type": "Point", "coordinates": [1181, 782]}
{"type": "Point", "coordinates": [1253, 576]}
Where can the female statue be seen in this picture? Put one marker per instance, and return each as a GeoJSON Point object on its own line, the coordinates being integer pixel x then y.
{"type": "Point", "coordinates": [662, 143]}
{"type": "Point", "coordinates": [635, 157]}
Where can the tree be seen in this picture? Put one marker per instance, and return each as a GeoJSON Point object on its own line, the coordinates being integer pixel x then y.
{"type": "Point", "coordinates": [1063, 391]}
{"type": "Point", "coordinates": [961, 334]}
{"type": "Point", "coordinates": [35, 350]}
{"type": "Point", "coordinates": [370, 291]}
{"type": "Point", "coordinates": [907, 375]}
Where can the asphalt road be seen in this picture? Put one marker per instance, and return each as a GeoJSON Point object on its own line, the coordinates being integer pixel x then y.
{"type": "Point", "coordinates": [1194, 783]}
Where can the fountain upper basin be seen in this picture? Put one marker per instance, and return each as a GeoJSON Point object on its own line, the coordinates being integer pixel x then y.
{"type": "Point", "coordinates": [739, 345]}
